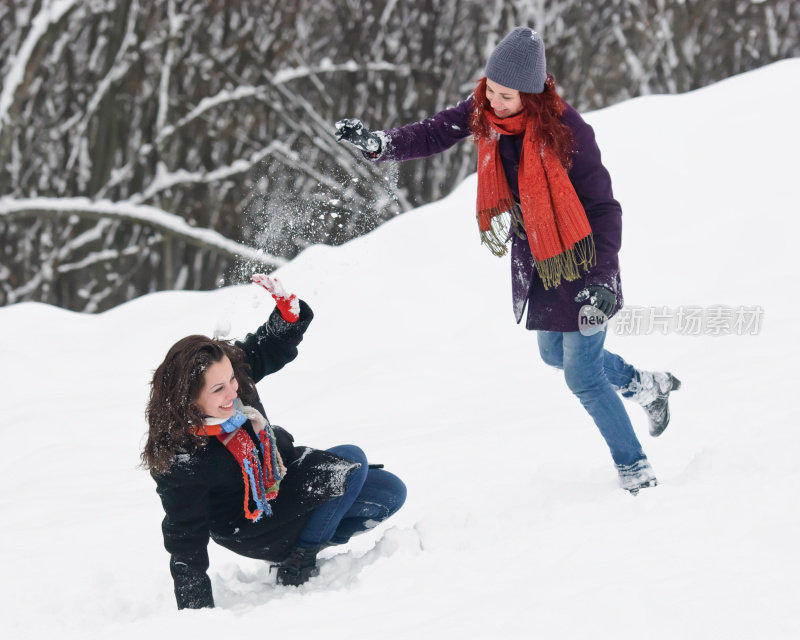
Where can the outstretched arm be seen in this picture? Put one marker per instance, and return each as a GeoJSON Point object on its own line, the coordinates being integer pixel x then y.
{"type": "Point", "coordinates": [417, 140]}
{"type": "Point", "coordinates": [274, 344]}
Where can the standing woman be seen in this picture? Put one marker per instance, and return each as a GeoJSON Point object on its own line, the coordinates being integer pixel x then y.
{"type": "Point", "coordinates": [542, 185]}
{"type": "Point", "coordinates": [224, 473]}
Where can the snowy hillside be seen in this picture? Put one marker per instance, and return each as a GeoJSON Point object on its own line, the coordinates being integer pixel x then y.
{"type": "Point", "coordinates": [514, 526]}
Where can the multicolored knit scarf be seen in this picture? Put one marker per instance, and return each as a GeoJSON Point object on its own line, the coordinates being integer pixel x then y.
{"type": "Point", "coordinates": [558, 231]}
{"type": "Point", "coordinates": [262, 474]}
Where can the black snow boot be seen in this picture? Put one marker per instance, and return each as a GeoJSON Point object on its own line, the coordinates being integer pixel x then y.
{"type": "Point", "coordinates": [652, 392]}
{"type": "Point", "coordinates": [299, 566]}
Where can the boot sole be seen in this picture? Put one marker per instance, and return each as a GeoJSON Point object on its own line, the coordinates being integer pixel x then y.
{"type": "Point", "coordinates": [635, 490]}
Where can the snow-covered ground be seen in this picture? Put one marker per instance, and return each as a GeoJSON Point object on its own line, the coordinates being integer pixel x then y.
{"type": "Point", "coordinates": [514, 525]}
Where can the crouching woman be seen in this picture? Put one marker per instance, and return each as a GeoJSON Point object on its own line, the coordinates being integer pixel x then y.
{"type": "Point", "coordinates": [223, 472]}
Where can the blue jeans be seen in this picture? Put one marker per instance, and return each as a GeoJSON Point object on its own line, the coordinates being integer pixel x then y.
{"type": "Point", "coordinates": [372, 495]}
{"type": "Point", "coordinates": [595, 375]}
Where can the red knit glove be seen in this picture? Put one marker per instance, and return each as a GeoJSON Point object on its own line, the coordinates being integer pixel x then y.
{"type": "Point", "coordinates": [288, 305]}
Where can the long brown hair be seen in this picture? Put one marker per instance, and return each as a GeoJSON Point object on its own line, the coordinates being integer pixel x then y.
{"type": "Point", "coordinates": [176, 384]}
{"type": "Point", "coordinates": [544, 108]}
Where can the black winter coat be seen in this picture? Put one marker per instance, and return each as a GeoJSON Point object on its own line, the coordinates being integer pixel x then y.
{"type": "Point", "coordinates": [203, 492]}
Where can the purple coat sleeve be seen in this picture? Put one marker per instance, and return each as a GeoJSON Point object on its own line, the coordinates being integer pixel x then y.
{"type": "Point", "coordinates": [592, 183]}
{"type": "Point", "coordinates": [428, 137]}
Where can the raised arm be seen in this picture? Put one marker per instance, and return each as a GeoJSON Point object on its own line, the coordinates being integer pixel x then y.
{"type": "Point", "coordinates": [274, 343]}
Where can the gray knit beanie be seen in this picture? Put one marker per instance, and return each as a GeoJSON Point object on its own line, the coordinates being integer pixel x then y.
{"type": "Point", "coordinates": [518, 62]}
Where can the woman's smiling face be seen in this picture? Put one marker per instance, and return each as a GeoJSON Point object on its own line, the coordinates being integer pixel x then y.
{"type": "Point", "coordinates": [505, 102]}
{"type": "Point", "coordinates": [220, 389]}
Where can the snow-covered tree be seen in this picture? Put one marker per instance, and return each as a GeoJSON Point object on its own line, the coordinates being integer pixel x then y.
{"type": "Point", "coordinates": [129, 127]}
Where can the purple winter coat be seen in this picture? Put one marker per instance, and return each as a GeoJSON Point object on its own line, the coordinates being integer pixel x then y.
{"type": "Point", "coordinates": [548, 310]}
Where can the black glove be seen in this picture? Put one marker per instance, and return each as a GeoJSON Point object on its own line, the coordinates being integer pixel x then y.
{"type": "Point", "coordinates": [281, 328]}
{"type": "Point", "coordinates": [599, 297]}
{"type": "Point", "coordinates": [353, 131]}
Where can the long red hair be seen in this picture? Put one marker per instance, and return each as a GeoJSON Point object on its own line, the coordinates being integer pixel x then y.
{"type": "Point", "coordinates": [544, 108]}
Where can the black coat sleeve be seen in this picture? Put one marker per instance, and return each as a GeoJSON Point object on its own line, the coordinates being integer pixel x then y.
{"type": "Point", "coordinates": [274, 344]}
{"type": "Point", "coordinates": [184, 497]}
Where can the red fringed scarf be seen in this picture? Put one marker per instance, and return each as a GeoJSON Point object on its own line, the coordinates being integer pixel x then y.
{"type": "Point", "coordinates": [556, 225]}
{"type": "Point", "coordinates": [262, 474]}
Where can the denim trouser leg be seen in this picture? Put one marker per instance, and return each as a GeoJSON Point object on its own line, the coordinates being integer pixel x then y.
{"type": "Point", "coordinates": [592, 374]}
{"type": "Point", "coordinates": [619, 373]}
{"type": "Point", "coordinates": [372, 495]}
{"type": "Point", "coordinates": [382, 495]}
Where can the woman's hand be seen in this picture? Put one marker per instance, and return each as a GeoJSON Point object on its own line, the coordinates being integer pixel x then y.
{"type": "Point", "coordinates": [599, 297]}
{"type": "Point", "coordinates": [288, 304]}
{"type": "Point", "coordinates": [352, 130]}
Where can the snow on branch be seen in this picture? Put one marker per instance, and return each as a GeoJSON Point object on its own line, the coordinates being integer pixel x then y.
{"type": "Point", "coordinates": [117, 72]}
{"type": "Point", "coordinates": [50, 15]}
{"type": "Point", "coordinates": [108, 255]}
{"type": "Point", "coordinates": [207, 104]}
{"type": "Point", "coordinates": [282, 77]}
{"type": "Point", "coordinates": [287, 75]}
{"type": "Point", "coordinates": [159, 219]}
{"type": "Point", "coordinates": [166, 180]}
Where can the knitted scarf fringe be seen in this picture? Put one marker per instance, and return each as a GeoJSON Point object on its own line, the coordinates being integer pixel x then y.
{"type": "Point", "coordinates": [264, 478]}
{"type": "Point", "coordinates": [567, 265]}
{"type": "Point", "coordinates": [498, 223]}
